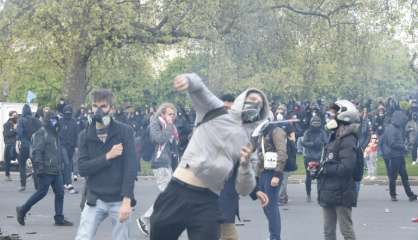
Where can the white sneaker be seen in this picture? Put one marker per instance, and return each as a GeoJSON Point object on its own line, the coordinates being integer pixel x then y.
{"type": "Point", "coordinates": [414, 163]}
{"type": "Point", "coordinates": [373, 178]}
{"type": "Point", "coordinates": [142, 226]}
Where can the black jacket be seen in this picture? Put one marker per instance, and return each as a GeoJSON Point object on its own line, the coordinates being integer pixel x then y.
{"type": "Point", "coordinates": [9, 133]}
{"type": "Point", "coordinates": [336, 184]}
{"type": "Point", "coordinates": [46, 152]}
{"type": "Point", "coordinates": [108, 180]}
{"type": "Point", "coordinates": [27, 125]}
{"type": "Point", "coordinates": [68, 132]}
{"type": "Point", "coordinates": [393, 138]}
{"type": "Point", "coordinates": [313, 141]}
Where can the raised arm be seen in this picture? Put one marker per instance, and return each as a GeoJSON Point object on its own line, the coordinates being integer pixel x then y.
{"type": "Point", "coordinates": [203, 99]}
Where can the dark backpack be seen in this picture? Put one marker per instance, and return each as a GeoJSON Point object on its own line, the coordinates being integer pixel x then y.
{"type": "Point", "coordinates": [291, 164]}
{"type": "Point", "coordinates": [358, 170]}
{"type": "Point", "coordinates": [148, 147]}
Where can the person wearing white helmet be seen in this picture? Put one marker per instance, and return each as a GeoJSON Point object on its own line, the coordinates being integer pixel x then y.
{"type": "Point", "coordinates": [336, 185]}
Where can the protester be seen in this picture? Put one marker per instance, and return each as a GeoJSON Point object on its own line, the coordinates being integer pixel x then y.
{"type": "Point", "coordinates": [107, 159]}
{"type": "Point", "coordinates": [47, 161]}
{"type": "Point", "coordinates": [272, 154]}
{"type": "Point", "coordinates": [370, 155]}
{"type": "Point", "coordinates": [411, 131]}
{"type": "Point", "coordinates": [68, 134]}
{"type": "Point", "coordinates": [164, 135]}
{"type": "Point", "coordinates": [9, 138]}
{"type": "Point", "coordinates": [313, 142]}
{"type": "Point", "coordinates": [336, 185]}
{"type": "Point", "coordinates": [229, 197]}
{"type": "Point", "coordinates": [394, 155]}
{"type": "Point", "coordinates": [219, 144]}
{"type": "Point", "coordinates": [26, 126]}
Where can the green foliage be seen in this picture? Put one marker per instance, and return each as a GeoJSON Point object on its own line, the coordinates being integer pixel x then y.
{"type": "Point", "coordinates": [296, 48]}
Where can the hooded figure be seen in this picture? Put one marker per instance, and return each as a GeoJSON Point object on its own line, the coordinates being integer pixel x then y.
{"type": "Point", "coordinates": [68, 134]}
{"type": "Point", "coordinates": [216, 151]}
{"type": "Point", "coordinates": [229, 198]}
{"type": "Point", "coordinates": [47, 164]}
{"type": "Point", "coordinates": [26, 126]}
{"type": "Point", "coordinates": [214, 147]}
{"type": "Point", "coordinates": [394, 155]}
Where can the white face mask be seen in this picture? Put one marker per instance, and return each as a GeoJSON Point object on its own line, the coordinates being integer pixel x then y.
{"type": "Point", "coordinates": [331, 124]}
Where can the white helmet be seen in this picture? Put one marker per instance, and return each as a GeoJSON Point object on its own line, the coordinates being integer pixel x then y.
{"type": "Point", "coordinates": [347, 111]}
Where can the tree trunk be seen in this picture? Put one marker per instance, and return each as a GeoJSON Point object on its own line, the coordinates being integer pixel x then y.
{"type": "Point", "coordinates": [75, 84]}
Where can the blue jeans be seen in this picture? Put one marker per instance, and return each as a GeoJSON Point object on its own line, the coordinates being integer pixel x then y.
{"type": "Point", "coordinates": [67, 156]}
{"type": "Point", "coordinates": [92, 216]}
{"type": "Point", "coordinates": [46, 180]}
{"type": "Point", "coordinates": [272, 209]}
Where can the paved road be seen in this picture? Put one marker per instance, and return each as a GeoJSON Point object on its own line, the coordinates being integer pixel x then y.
{"type": "Point", "coordinates": [300, 220]}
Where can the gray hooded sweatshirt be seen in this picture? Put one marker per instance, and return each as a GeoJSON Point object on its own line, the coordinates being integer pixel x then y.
{"type": "Point", "coordinates": [215, 146]}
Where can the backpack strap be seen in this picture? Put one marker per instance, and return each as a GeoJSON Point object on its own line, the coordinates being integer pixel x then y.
{"type": "Point", "coordinates": [212, 114]}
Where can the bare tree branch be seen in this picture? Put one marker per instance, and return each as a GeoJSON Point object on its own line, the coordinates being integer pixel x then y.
{"type": "Point", "coordinates": [316, 13]}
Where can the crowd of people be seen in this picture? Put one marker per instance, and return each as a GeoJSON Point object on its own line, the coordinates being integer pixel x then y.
{"type": "Point", "coordinates": [205, 157]}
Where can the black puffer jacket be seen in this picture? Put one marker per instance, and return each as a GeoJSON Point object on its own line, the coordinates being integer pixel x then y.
{"type": "Point", "coordinates": [336, 184]}
{"type": "Point", "coordinates": [393, 138]}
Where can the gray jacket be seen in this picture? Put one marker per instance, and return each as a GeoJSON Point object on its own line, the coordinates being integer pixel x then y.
{"type": "Point", "coordinates": [214, 148]}
{"type": "Point", "coordinates": [162, 137]}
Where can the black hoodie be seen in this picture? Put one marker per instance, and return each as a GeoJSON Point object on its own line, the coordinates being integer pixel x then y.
{"type": "Point", "coordinates": [393, 138]}
{"type": "Point", "coordinates": [68, 132]}
{"type": "Point", "coordinates": [27, 125]}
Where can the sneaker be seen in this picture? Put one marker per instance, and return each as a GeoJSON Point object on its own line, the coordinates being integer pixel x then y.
{"type": "Point", "coordinates": [366, 177]}
{"type": "Point", "coordinates": [308, 199]}
{"type": "Point", "coordinates": [20, 216]}
{"type": "Point", "coordinates": [142, 226]}
{"type": "Point", "coordinates": [71, 190]}
{"type": "Point", "coordinates": [64, 223]}
{"type": "Point", "coordinates": [21, 188]}
{"type": "Point", "coordinates": [414, 220]}
{"type": "Point", "coordinates": [373, 178]}
{"type": "Point", "coordinates": [393, 199]}
{"type": "Point", "coordinates": [413, 198]}
{"type": "Point", "coordinates": [414, 163]}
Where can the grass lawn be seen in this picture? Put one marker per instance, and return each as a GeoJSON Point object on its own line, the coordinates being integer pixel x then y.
{"type": "Point", "coordinates": [412, 170]}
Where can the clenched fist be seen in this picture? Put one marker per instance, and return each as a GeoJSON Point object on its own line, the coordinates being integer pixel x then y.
{"type": "Point", "coordinates": [245, 154]}
{"type": "Point", "coordinates": [181, 83]}
{"type": "Point", "coordinates": [115, 152]}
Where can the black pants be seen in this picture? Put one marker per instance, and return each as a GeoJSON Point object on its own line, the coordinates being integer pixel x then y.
{"type": "Point", "coordinates": [308, 179]}
{"type": "Point", "coordinates": [22, 158]}
{"type": "Point", "coordinates": [182, 207]}
{"type": "Point", "coordinates": [9, 155]}
{"type": "Point", "coordinates": [397, 166]}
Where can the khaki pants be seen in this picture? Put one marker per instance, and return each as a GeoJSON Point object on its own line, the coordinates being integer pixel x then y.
{"type": "Point", "coordinates": [343, 216]}
{"type": "Point", "coordinates": [228, 231]}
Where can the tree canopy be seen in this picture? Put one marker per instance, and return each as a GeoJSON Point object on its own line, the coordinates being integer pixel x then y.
{"type": "Point", "coordinates": [289, 48]}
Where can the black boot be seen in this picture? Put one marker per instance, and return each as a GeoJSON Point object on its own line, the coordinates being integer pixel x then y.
{"type": "Point", "coordinates": [20, 216]}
